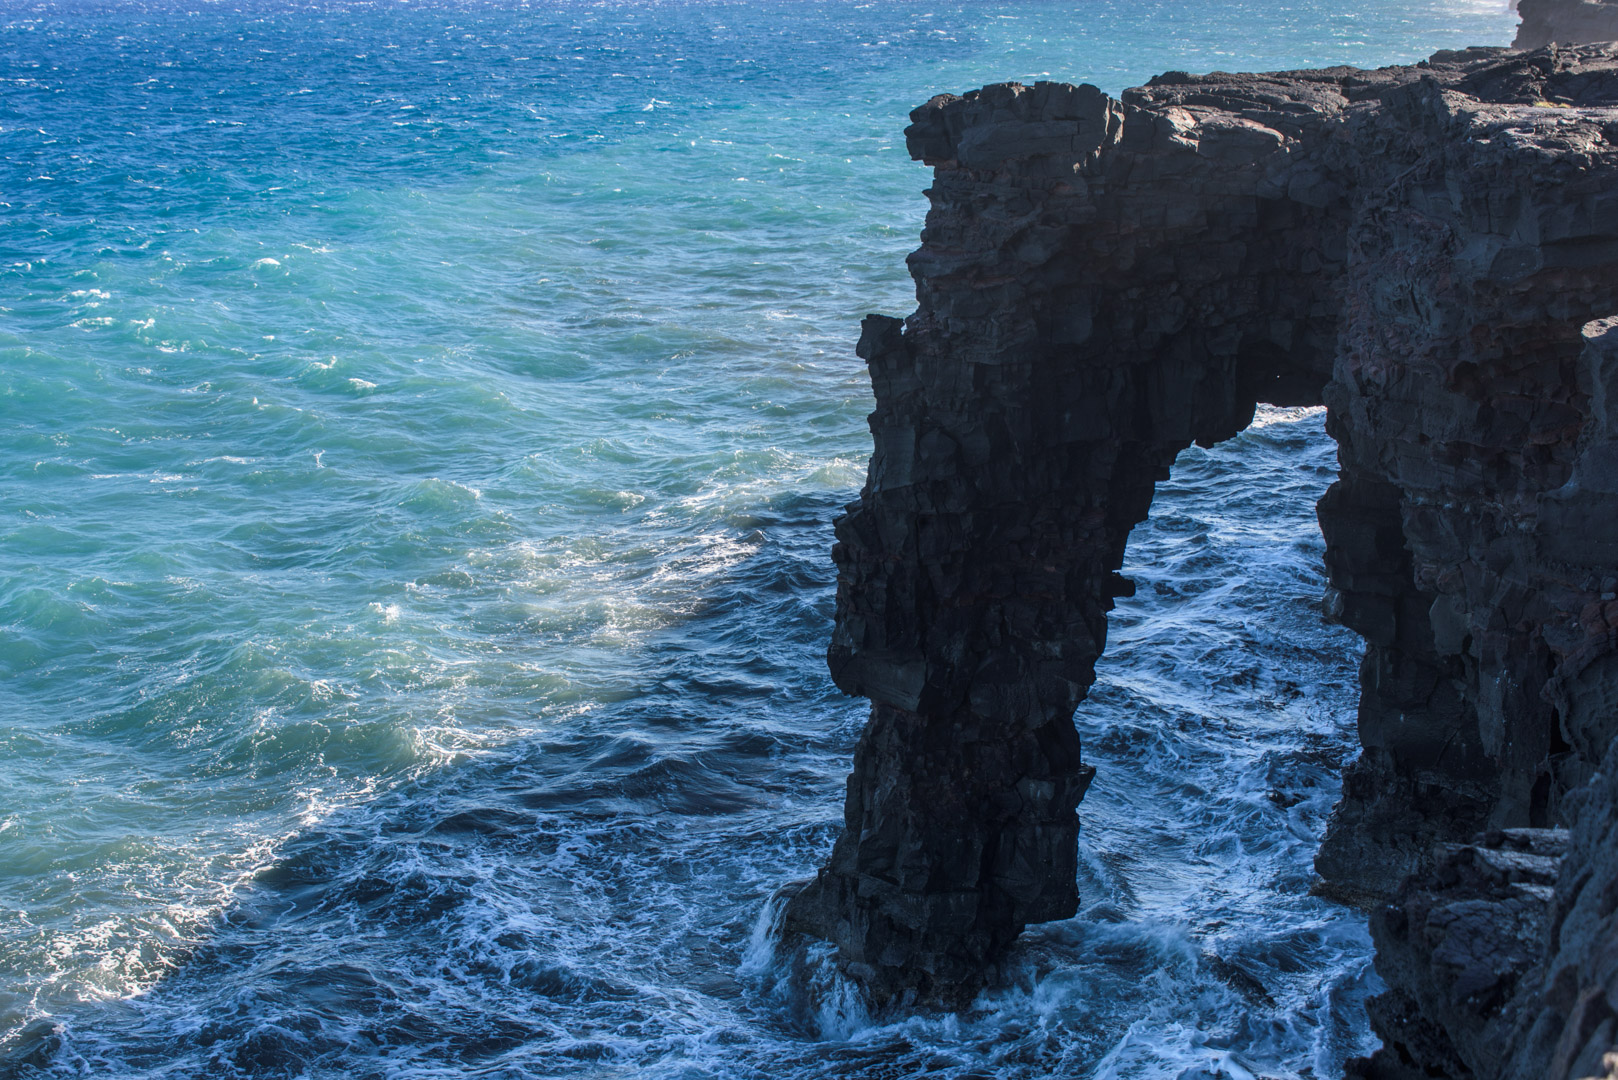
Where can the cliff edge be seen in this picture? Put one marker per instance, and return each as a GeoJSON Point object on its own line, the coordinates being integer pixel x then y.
{"type": "Point", "coordinates": [1565, 22]}
{"type": "Point", "coordinates": [1104, 281]}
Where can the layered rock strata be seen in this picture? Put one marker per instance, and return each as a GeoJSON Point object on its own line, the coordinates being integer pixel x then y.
{"type": "Point", "coordinates": [1103, 282]}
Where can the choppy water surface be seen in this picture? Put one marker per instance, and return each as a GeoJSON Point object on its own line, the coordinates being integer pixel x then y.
{"type": "Point", "coordinates": [420, 427]}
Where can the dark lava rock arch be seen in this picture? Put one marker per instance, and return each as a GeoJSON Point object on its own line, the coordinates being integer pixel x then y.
{"type": "Point", "coordinates": [1103, 282]}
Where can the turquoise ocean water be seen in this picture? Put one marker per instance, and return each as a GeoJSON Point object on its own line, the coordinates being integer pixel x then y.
{"type": "Point", "coordinates": [420, 427]}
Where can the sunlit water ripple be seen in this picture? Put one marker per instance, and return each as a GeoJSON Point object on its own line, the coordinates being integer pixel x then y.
{"type": "Point", "coordinates": [420, 427]}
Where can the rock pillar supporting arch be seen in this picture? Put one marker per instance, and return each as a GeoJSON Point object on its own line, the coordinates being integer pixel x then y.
{"type": "Point", "coordinates": [1083, 319]}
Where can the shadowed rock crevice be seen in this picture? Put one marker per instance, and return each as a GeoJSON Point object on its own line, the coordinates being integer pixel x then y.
{"type": "Point", "coordinates": [1103, 282]}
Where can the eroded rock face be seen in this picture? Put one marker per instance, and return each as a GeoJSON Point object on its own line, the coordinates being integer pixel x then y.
{"type": "Point", "coordinates": [1565, 1023]}
{"type": "Point", "coordinates": [1103, 282]}
{"type": "Point", "coordinates": [1498, 986]}
{"type": "Point", "coordinates": [1455, 946]}
{"type": "Point", "coordinates": [1483, 241]}
{"type": "Point", "coordinates": [1565, 22]}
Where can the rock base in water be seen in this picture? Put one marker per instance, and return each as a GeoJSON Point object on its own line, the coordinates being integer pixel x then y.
{"type": "Point", "coordinates": [1103, 282]}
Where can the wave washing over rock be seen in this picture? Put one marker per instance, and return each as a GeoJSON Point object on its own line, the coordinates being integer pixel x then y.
{"type": "Point", "coordinates": [1104, 282]}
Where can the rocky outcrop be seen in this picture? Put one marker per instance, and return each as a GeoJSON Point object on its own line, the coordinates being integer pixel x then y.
{"type": "Point", "coordinates": [1565, 1023]}
{"type": "Point", "coordinates": [1502, 961]}
{"type": "Point", "coordinates": [1565, 22]}
{"type": "Point", "coordinates": [1455, 947]}
{"type": "Point", "coordinates": [1103, 282]}
{"type": "Point", "coordinates": [1082, 321]}
{"type": "Point", "coordinates": [1539, 682]}
{"type": "Point", "coordinates": [1485, 236]}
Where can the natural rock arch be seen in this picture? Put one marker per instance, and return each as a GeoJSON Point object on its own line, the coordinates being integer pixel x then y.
{"type": "Point", "coordinates": [1102, 283]}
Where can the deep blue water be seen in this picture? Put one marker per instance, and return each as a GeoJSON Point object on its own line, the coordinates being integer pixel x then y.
{"type": "Point", "coordinates": [420, 427]}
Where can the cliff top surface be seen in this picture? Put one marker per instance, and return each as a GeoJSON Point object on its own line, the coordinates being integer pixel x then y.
{"type": "Point", "coordinates": [1560, 101]}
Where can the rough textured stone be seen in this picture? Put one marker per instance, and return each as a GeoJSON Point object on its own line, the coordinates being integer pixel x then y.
{"type": "Point", "coordinates": [1102, 282]}
{"type": "Point", "coordinates": [1565, 1022]}
{"type": "Point", "coordinates": [1454, 947]}
{"type": "Point", "coordinates": [1485, 236]}
{"type": "Point", "coordinates": [1566, 22]}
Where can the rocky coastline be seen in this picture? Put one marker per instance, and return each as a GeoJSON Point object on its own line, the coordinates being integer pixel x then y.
{"type": "Point", "coordinates": [1429, 251]}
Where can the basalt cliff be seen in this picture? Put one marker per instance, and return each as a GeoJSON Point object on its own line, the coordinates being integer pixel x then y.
{"type": "Point", "coordinates": [1425, 250]}
{"type": "Point", "coordinates": [1565, 22]}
